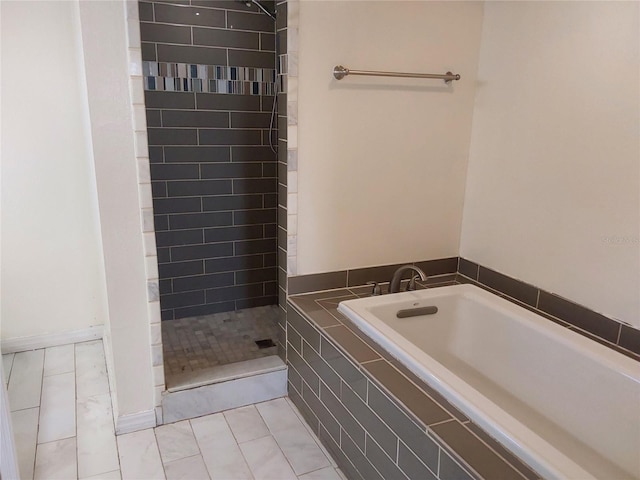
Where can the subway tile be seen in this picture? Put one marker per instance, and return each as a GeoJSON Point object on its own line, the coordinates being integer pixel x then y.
{"type": "Point", "coordinates": [169, 99]}
{"type": "Point", "coordinates": [181, 269]}
{"type": "Point", "coordinates": [250, 119]}
{"type": "Point", "coordinates": [145, 11]}
{"type": "Point", "coordinates": [248, 217]}
{"type": "Point", "coordinates": [249, 247]}
{"type": "Point", "coordinates": [153, 118]}
{"type": "Point", "coordinates": [221, 101]}
{"type": "Point", "coordinates": [190, 16]}
{"type": "Point", "coordinates": [195, 118]}
{"type": "Point", "coordinates": [159, 189]}
{"type": "Point", "coordinates": [271, 288]}
{"type": "Point", "coordinates": [309, 333]}
{"type": "Point", "coordinates": [328, 376]}
{"type": "Point", "coordinates": [309, 406]}
{"type": "Point", "coordinates": [270, 231]}
{"type": "Point", "coordinates": [254, 185]}
{"type": "Point", "coordinates": [212, 136]}
{"type": "Point", "coordinates": [347, 468]}
{"type": "Point", "coordinates": [268, 42]}
{"type": "Point", "coordinates": [251, 58]}
{"type": "Point", "coordinates": [509, 286]}
{"type": "Point", "coordinates": [362, 464]}
{"type": "Point", "coordinates": [164, 255]}
{"type": "Point", "coordinates": [172, 136]}
{"type": "Point", "coordinates": [428, 411]}
{"type": "Point", "coordinates": [343, 366]}
{"type": "Point", "coordinates": [252, 153]}
{"type": "Point", "coordinates": [148, 51]}
{"type": "Point", "coordinates": [308, 375]}
{"type": "Point", "coordinates": [249, 21]}
{"type": "Point", "coordinates": [200, 282]}
{"type": "Point", "coordinates": [579, 316]}
{"type": "Point", "coordinates": [223, 234]}
{"type": "Point", "coordinates": [282, 217]}
{"type": "Point", "coordinates": [231, 170]}
{"type": "Point", "coordinates": [383, 273]}
{"type": "Point", "coordinates": [439, 266]}
{"type": "Point", "coordinates": [166, 314]}
{"type": "Point", "coordinates": [282, 172]}
{"type": "Point", "coordinates": [345, 418]}
{"type": "Point", "coordinates": [176, 205]}
{"type": "Point", "coordinates": [176, 300]}
{"type": "Point", "coordinates": [215, 219]}
{"type": "Point", "coordinates": [282, 126]}
{"type": "Point", "coordinates": [630, 338]}
{"type": "Point", "coordinates": [229, 264]}
{"type": "Point", "coordinates": [208, 309]}
{"type": "Point", "coordinates": [385, 465]}
{"type": "Point", "coordinates": [156, 154]}
{"type": "Point", "coordinates": [282, 239]}
{"type": "Point", "coordinates": [267, 103]}
{"type": "Point", "coordinates": [474, 452]}
{"type": "Point", "coordinates": [179, 237]}
{"type": "Point", "coordinates": [320, 281]}
{"type": "Point", "coordinates": [199, 154]}
{"type": "Point", "coordinates": [323, 318]}
{"type": "Point", "coordinates": [196, 252]}
{"type": "Point", "coordinates": [198, 187]}
{"type": "Point", "coordinates": [189, 54]}
{"type": "Point", "coordinates": [226, 38]}
{"type": "Point", "coordinates": [450, 470]}
{"type": "Point", "coordinates": [468, 268]}
{"type": "Point", "coordinates": [235, 292]}
{"type": "Point", "coordinates": [165, 286]}
{"type": "Point", "coordinates": [350, 343]}
{"type": "Point", "coordinates": [256, 302]}
{"type": "Point", "coordinates": [413, 466]}
{"type": "Point", "coordinates": [281, 16]}
{"type": "Point", "coordinates": [257, 275]}
{"type": "Point", "coordinates": [270, 169]}
{"type": "Point", "coordinates": [154, 32]}
{"type": "Point", "coordinates": [231, 202]}
{"type": "Point", "coordinates": [295, 380]}
{"type": "Point", "coordinates": [294, 339]}
{"type": "Point", "coordinates": [172, 171]}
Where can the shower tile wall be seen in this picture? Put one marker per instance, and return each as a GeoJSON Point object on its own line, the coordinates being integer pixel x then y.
{"type": "Point", "coordinates": [209, 70]}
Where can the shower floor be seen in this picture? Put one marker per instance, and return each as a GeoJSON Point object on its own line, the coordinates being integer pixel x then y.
{"type": "Point", "coordinates": [196, 343]}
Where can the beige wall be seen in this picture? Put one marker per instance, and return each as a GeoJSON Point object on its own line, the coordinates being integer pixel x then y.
{"type": "Point", "coordinates": [382, 162]}
{"type": "Point", "coordinates": [552, 193]}
{"type": "Point", "coordinates": [52, 267]}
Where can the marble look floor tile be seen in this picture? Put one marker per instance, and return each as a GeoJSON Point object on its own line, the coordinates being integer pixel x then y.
{"type": "Point", "coordinates": [176, 441]}
{"type": "Point", "coordinates": [115, 475]}
{"type": "Point", "coordinates": [139, 456]}
{"type": "Point", "coordinates": [278, 414]}
{"type": "Point", "coordinates": [220, 452]}
{"type": "Point", "coordinates": [97, 450]}
{"type": "Point", "coordinates": [327, 473]}
{"type": "Point", "coordinates": [91, 369]}
{"type": "Point", "coordinates": [59, 359]}
{"type": "Point", "coordinates": [26, 380]}
{"type": "Point", "coordinates": [58, 408]}
{"type": "Point", "coordinates": [190, 468]}
{"type": "Point", "coordinates": [301, 450]}
{"type": "Point", "coordinates": [246, 423]}
{"type": "Point", "coordinates": [25, 434]}
{"type": "Point", "coordinates": [7, 362]}
{"type": "Point", "coordinates": [266, 460]}
{"type": "Point", "coordinates": [56, 460]}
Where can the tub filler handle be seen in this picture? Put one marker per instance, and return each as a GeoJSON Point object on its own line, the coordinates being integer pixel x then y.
{"type": "Point", "coordinates": [377, 290]}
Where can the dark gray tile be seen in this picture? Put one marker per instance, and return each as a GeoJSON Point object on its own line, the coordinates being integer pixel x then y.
{"type": "Point", "coordinates": [268, 42]}
{"type": "Point", "coordinates": [414, 399]}
{"type": "Point", "coordinates": [344, 368]}
{"type": "Point", "coordinates": [179, 237]}
{"type": "Point", "coordinates": [321, 412]}
{"type": "Point", "coordinates": [199, 154]}
{"type": "Point", "coordinates": [206, 309]}
{"type": "Point", "coordinates": [181, 269]}
{"type": "Point", "coordinates": [384, 465]}
{"type": "Point", "coordinates": [145, 11]}
{"type": "Point", "coordinates": [164, 255]}
{"type": "Point", "coordinates": [221, 101]}
{"type": "Point", "coordinates": [249, 217]}
{"type": "Point", "coordinates": [450, 470]}
{"type": "Point", "coordinates": [165, 287]}
{"type": "Point", "coordinates": [154, 32]}
{"type": "Point", "coordinates": [257, 275]}
{"type": "Point", "coordinates": [295, 381]}
{"type": "Point", "coordinates": [630, 338]}
{"type": "Point", "coordinates": [282, 126]}
{"type": "Point", "coordinates": [232, 170]}
{"type": "Point", "coordinates": [351, 344]}
{"type": "Point", "coordinates": [194, 118]}
{"type": "Point", "coordinates": [412, 466]}
{"type": "Point", "coordinates": [579, 316]}
{"type": "Point", "coordinates": [189, 54]}
{"type": "Point", "coordinates": [254, 185]}
{"type": "Point", "coordinates": [236, 292]}
{"type": "Point", "coordinates": [474, 452]}
{"type": "Point", "coordinates": [176, 300]}
{"type": "Point", "coordinates": [176, 205]}
{"type": "Point", "coordinates": [281, 16]}
{"type": "Point", "coordinates": [270, 232]}
{"type": "Point", "coordinates": [346, 420]}
{"type": "Point", "coordinates": [360, 276]}
{"type": "Point", "coordinates": [509, 286]}
{"type": "Point", "coordinates": [226, 4]}
{"type": "Point", "coordinates": [196, 252]}
{"type": "Point", "coordinates": [166, 315]}
{"type": "Point", "coordinates": [256, 302]}
{"type": "Point", "coordinates": [200, 282]}
{"type": "Point", "coordinates": [169, 99]}
{"type": "Point", "coordinates": [328, 376]}
{"type": "Point", "coordinates": [158, 189]}
{"type": "Point", "coordinates": [438, 266]}
{"type": "Point", "coordinates": [230, 264]}
{"type": "Point", "coordinates": [258, 22]}
{"type": "Point", "coordinates": [153, 118]}
{"type": "Point", "coordinates": [252, 154]}
{"type": "Point", "coordinates": [172, 136]}
{"type": "Point", "coordinates": [282, 239]}
{"type": "Point", "coordinates": [250, 119]}
{"type": "Point", "coordinates": [308, 375]}
{"type": "Point", "coordinates": [294, 339]}
{"type": "Point", "coordinates": [304, 328]}
{"type": "Point", "coordinates": [156, 154]}
{"type": "Point", "coordinates": [229, 137]}
{"type": "Point", "coordinates": [190, 16]}
{"type": "Point", "coordinates": [231, 202]}
{"type": "Point", "coordinates": [226, 38]}
{"type": "Point", "coordinates": [148, 52]}
{"type": "Point", "coordinates": [217, 219]}
{"type": "Point", "coordinates": [323, 318]}
{"type": "Point", "coordinates": [161, 222]}
{"type": "Point", "coordinates": [249, 247]}
{"type": "Point", "coordinates": [341, 460]}
{"type": "Point", "coordinates": [468, 268]}
{"type": "Point", "coordinates": [198, 187]}
{"type": "Point", "coordinates": [250, 58]}
{"type": "Point", "coordinates": [362, 464]}
{"type": "Point", "coordinates": [224, 234]}
{"type": "Point", "coordinates": [319, 281]}
{"type": "Point", "coordinates": [168, 171]}
{"type": "Point", "coordinates": [282, 217]}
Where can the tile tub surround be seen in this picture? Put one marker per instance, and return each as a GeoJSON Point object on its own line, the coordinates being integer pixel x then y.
{"type": "Point", "coordinates": [213, 175]}
{"type": "Point", "coordinates": [375, 417]}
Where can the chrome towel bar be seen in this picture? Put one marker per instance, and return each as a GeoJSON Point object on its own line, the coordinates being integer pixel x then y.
{"type": "Point", "coordinates": [339, 72]}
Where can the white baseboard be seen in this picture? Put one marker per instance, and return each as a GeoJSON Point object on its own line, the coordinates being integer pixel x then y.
{"type": "Point", "coordinates": [135, 421]}
{"type": "Point", "coordinates": [23, 344]}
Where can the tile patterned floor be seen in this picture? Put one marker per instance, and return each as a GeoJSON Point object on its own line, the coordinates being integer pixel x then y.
{"type": "Point", "coordinates": [190, 344]}
{"type": "Point", "coordinates": [63, 427]}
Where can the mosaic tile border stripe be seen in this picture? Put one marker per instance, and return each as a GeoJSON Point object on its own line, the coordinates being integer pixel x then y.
{"type": "Point", "coordinates": [187, 77]}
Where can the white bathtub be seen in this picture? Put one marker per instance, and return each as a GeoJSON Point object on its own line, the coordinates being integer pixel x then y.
{"type": "Point", "coordinates": [567, 406]}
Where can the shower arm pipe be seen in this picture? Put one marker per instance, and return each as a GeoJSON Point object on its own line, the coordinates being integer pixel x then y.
{"type": "Point", "coordinates": [339, 72]}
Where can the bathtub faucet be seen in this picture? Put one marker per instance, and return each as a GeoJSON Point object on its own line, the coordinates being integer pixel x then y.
{"type": "Point", "coordinates": [394, 285]}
